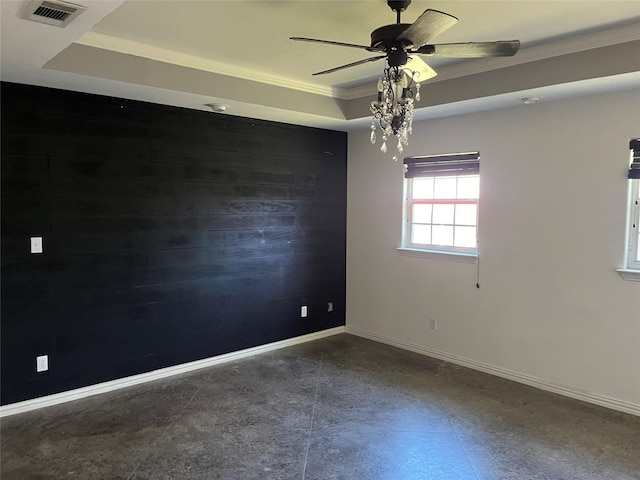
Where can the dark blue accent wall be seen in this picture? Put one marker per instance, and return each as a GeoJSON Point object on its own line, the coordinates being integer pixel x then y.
{"type": "Point", "coordinates": [170, 235]}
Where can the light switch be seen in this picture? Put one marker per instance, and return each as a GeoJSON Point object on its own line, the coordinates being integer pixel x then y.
{"type": "Point", "coordinates": [36, 244]}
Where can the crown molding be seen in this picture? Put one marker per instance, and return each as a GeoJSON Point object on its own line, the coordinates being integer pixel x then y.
{"type": "Point", "coordinates": [566, 46]}
{"type": "Point", "coordinates": [144, 50]}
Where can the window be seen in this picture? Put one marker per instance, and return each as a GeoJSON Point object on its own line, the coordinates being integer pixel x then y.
{"type": "Point", "coordinates": [441, 203]}
{"type": "Point", "coordinates": [633, 210]}
{"type": "Point", "coordinates": [633, 252]}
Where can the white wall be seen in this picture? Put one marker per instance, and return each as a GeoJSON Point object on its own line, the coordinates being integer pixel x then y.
{"type": "Point", "coordinates": [552, 222]}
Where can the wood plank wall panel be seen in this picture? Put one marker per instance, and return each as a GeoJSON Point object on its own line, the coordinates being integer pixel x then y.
{"type": "Point", "coordinates": [170, 235]}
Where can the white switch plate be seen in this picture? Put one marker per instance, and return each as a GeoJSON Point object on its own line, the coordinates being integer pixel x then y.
{"type": "Point", "coordinates": [303, 311]}
{"type": "Point", "coordinates": [36, 244]}
{"type": "Point", "coordinates": [329, 306]}
{"type": "Point", "coordinates": [42, 363]}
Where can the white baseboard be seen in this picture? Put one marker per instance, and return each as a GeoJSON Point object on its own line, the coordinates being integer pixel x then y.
{"type": "Point", "coordinates": [596, 399]}
{"type": "Point", "coordinates": [99, 388]}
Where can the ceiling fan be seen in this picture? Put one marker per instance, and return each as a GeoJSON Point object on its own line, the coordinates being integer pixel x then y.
{"type": "Point", "coordinates": [401, 44]}
{"type": "Point", "coordinates": [399, 41]}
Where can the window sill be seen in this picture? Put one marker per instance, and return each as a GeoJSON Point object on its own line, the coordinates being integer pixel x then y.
{"type": "Point", "coordinates": [436, 255]}
{"type": "Point", "coordinates": [629, 274]}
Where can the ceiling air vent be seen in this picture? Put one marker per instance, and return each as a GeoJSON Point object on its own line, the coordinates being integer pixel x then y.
{"type": "Point", "coordinates": [53, 12]}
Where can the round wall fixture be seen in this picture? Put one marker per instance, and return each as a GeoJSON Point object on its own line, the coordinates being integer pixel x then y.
{"type": "Point", "coordinates": [217, 107]}
{"type": "Point", "coordinates": [530, 100]}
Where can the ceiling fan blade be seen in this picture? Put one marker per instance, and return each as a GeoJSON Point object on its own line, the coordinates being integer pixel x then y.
{"type": "Point", "coordinates": [428, 25]}
{"type": "Point", "coordinates": [340, 44]}
{"type": "Point", "coordinates": [348, 65]}
{"type": "Point", "coordinates": [471, 49]}
{"type": "Point", "coordinates": [416, 64]}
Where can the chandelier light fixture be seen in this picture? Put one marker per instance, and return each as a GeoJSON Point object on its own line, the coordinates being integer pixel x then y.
{"type": "Point", "coordinates": [398, 89]}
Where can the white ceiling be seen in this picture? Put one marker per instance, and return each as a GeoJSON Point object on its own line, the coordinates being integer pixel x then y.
{"type": "Point", "coordinates": [189, 53]}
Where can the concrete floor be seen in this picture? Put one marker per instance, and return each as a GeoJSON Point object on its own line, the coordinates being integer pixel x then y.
{"type": "Point", "coordinates": [341, 407]}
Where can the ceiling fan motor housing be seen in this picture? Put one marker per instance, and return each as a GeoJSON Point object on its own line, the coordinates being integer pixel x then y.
{"type": "Point", "coordinates": [386, 35]}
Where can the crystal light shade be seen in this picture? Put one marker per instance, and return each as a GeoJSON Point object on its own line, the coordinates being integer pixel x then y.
{"type": "Point", "coordinates": [398, 88]}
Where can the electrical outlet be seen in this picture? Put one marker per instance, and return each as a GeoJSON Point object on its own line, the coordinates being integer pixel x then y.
{"type": "Point", "coordinates": [329, 306]}
{"type": "Point", "coordinates": [433, 323]}
{"type": "Point", "coordinates": [42, 363]}
{"type": "Point", "coordinates": [36, 245]}
{"type": "Point", "coordinates": [303, 311]}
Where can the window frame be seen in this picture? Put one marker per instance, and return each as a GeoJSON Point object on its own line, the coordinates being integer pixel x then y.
{"type": "Point", "coordinates": [632, 262]}
{"type": "Point", "coordinates": [464, 254]}
{"type": "Point", "coordinates": [631, 270]}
